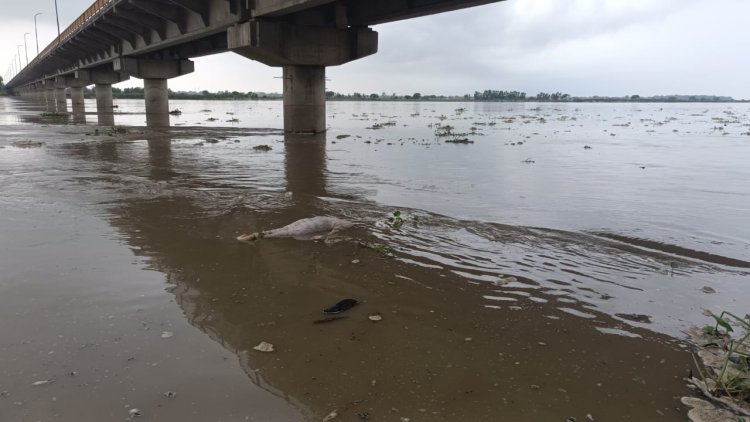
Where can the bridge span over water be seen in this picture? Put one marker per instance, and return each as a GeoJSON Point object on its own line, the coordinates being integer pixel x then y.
{"type": "Point", "coordinates": [154, 40]}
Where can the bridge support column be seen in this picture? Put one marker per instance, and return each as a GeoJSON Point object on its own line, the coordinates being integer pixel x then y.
{"type": "Point", "coordinates": [78, 103]}
{"type": "Point", "coordinates": [61, 100]}
{"type": "Point", "coordinates": [48, 88]}
{"type": "Point", "coordinates": [102, 78]}
{"type": "Point", "coordinates": [77, 99]}
{"type": "Point", "coordinates": [155, 74]}
{"type": "Point", "coordinates": [303, 52]}
{"type": "Point", "coordinates": [304, 99]}
{"type": "Point", "coordinates": [156, 95]}
{"type": "Point", "coordinates": [104, 102]}
{"type": "Point", "coordinates": [105, 110]}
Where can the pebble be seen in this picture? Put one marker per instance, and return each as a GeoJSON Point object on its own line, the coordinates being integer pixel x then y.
{"type": "Point", "coordinates": [331, 416]}
{"type": "Point", "coordinates": [264, 347]}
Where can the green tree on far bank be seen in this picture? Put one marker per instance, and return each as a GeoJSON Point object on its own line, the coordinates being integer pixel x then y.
{"type": "Point", "coordinates": [2, 86]}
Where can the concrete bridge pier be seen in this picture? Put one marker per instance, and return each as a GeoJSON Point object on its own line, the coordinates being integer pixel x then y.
{"type": "Point", "coordinates": [104, 103]}
{"type": "Point", "coordinates": [102, 79]}
{"type": "Point", "coordinates": [155, 74]}
{"type": "Point", "coordinates": [48, 90]}
{"type": "Point", "coordinates": [303, 51]}
{"type": "Point", "coordinates": [50, 100]}
{"type": "Point", "coordinates": [61, 100]}
{"type": "Point", "coordinates": [77, 84]}
{"type": "Point", "coordinates": [305, 99]}
{"type": "Point", "coordinates": [156, 95]}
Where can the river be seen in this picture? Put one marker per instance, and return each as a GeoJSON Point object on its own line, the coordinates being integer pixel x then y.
{"type": "Point", "coordinates": [122, 281]}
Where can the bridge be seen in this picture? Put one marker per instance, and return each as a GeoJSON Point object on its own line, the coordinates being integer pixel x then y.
{"type": "Point", "coordinates": [154, 40]}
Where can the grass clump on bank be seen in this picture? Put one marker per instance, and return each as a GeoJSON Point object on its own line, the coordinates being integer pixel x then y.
{"type": "Point", "coordinates": [723, 366]}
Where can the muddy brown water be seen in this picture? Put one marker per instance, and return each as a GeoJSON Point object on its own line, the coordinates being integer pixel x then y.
{"type": "Point", "coordinates": [122, 282]}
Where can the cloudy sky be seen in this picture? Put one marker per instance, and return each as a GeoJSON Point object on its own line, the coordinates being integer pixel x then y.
{"type": "Point", "coordinates": [582, 47]}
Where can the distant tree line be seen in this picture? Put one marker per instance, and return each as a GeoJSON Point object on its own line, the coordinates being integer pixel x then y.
{"type": "Point", "coordinates": [492, 95]}
{"type": "Point", "coordinates": [137, 93]}
{"type": "Point", "coordinates": [357, 96]}
{"type": "Point", "coordinates": [484, 96]}
{"type": "Point", "coordinates": [2, 86]}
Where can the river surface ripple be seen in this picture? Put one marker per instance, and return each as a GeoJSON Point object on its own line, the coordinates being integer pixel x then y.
{"type": "Point", "coordinates": [627, 211]}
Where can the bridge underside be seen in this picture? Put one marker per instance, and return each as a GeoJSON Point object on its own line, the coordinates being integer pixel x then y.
{"type": "Point", "coordinates": [154, 40]}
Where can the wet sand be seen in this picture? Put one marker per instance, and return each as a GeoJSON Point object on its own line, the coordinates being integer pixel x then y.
{"type": "Point", "coordinates": [122, 281]}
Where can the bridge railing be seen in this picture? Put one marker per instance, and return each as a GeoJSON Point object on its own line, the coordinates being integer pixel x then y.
{"type": "Point", "coordinates": [79, 23]}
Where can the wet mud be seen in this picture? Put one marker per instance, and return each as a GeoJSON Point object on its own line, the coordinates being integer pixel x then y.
{"type": "Point", "coordinates": [124, 287]}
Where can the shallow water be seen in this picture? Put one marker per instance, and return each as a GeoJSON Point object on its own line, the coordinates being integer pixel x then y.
{"type": "Point", "coordinates": [611, 246]}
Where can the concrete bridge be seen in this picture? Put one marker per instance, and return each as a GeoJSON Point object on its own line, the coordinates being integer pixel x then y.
{"type": "Point", "coordinates": [154, 40]}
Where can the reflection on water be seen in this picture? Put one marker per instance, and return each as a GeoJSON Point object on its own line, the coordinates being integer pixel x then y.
{"type": "Point", "coordinates": [606, 245]}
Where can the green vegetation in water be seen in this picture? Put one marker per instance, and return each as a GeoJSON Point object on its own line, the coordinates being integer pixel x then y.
{"type": "Point", "coordinates": [115, 131]}
{"type": "Point", "coordinates": [396, 220]}
{"type": "Point", "coordinates": [28, 144]}
{"type": "Point", "coordinates": [382, 249]}
{"type": "Point", "coordinates": [724, 367]}
{"type": "Point", "coordinates": [447, 131]}
{"type": "Point", "coordinates": [377, 126]}
{"type": "Point", "coordinates": [262, 148]}
{"type": "Point", "coordinates": [54, 116]}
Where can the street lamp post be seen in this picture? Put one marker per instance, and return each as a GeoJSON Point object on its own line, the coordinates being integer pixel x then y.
{"type": "Point", "coordinates": [20, 63]}
{"type": "Point", "coordinates": [26, 47]}
{"type": "Point", "coordinates": [58, 23]}
{"type": "Point", "coordinates": [36, 33]}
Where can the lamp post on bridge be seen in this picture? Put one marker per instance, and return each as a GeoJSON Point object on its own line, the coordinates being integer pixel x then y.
{"type": "Point", "coordinates": [20, 63]}
{"type": "Point", "coordinates": [58, 23]}
{"type": "Point", "coordinates": [26, 47]}
{"type": "Point", "coordinates": [36, 33]}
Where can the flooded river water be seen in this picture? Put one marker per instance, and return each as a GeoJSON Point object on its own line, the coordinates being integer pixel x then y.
{"type": "Point", "coordinates": [123, 285]}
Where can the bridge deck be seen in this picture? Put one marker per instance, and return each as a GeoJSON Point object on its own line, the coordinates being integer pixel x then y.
{"type": "Point", "coordinates": [182, 29]}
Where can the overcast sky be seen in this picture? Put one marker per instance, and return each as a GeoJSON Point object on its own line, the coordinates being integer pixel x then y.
{"type": "Point", "coordinates": [582, 47]}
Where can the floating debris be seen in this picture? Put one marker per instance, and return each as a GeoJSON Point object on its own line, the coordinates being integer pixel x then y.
{"type": "Point", "coordinates": [167, 334]}
{"type": "Point", "coordinates": [341, 306]}
{"type": "Point", "coordinates": [263, 148]}
{"type": "Point", "coordinates": [176, 112]}
{"type": "Point", "coordinates": [28, 144]}
{"type": "Point", "coordinates": [42, 382]}
{"type": "Point", "coordinates": [169, 394]}
{"type": "Point", "coordinates": [264, 347]}
{"type": "Point", "coordinates": [334, 414]}
{"type": "Point", "coordinates": [707, 289]}
{"type": "Point", "coordinates": [375, 318]}
{"type": "Point", "coordinates": [135, 413]}
{"type": "Point", "coordinates": [505, 280]}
